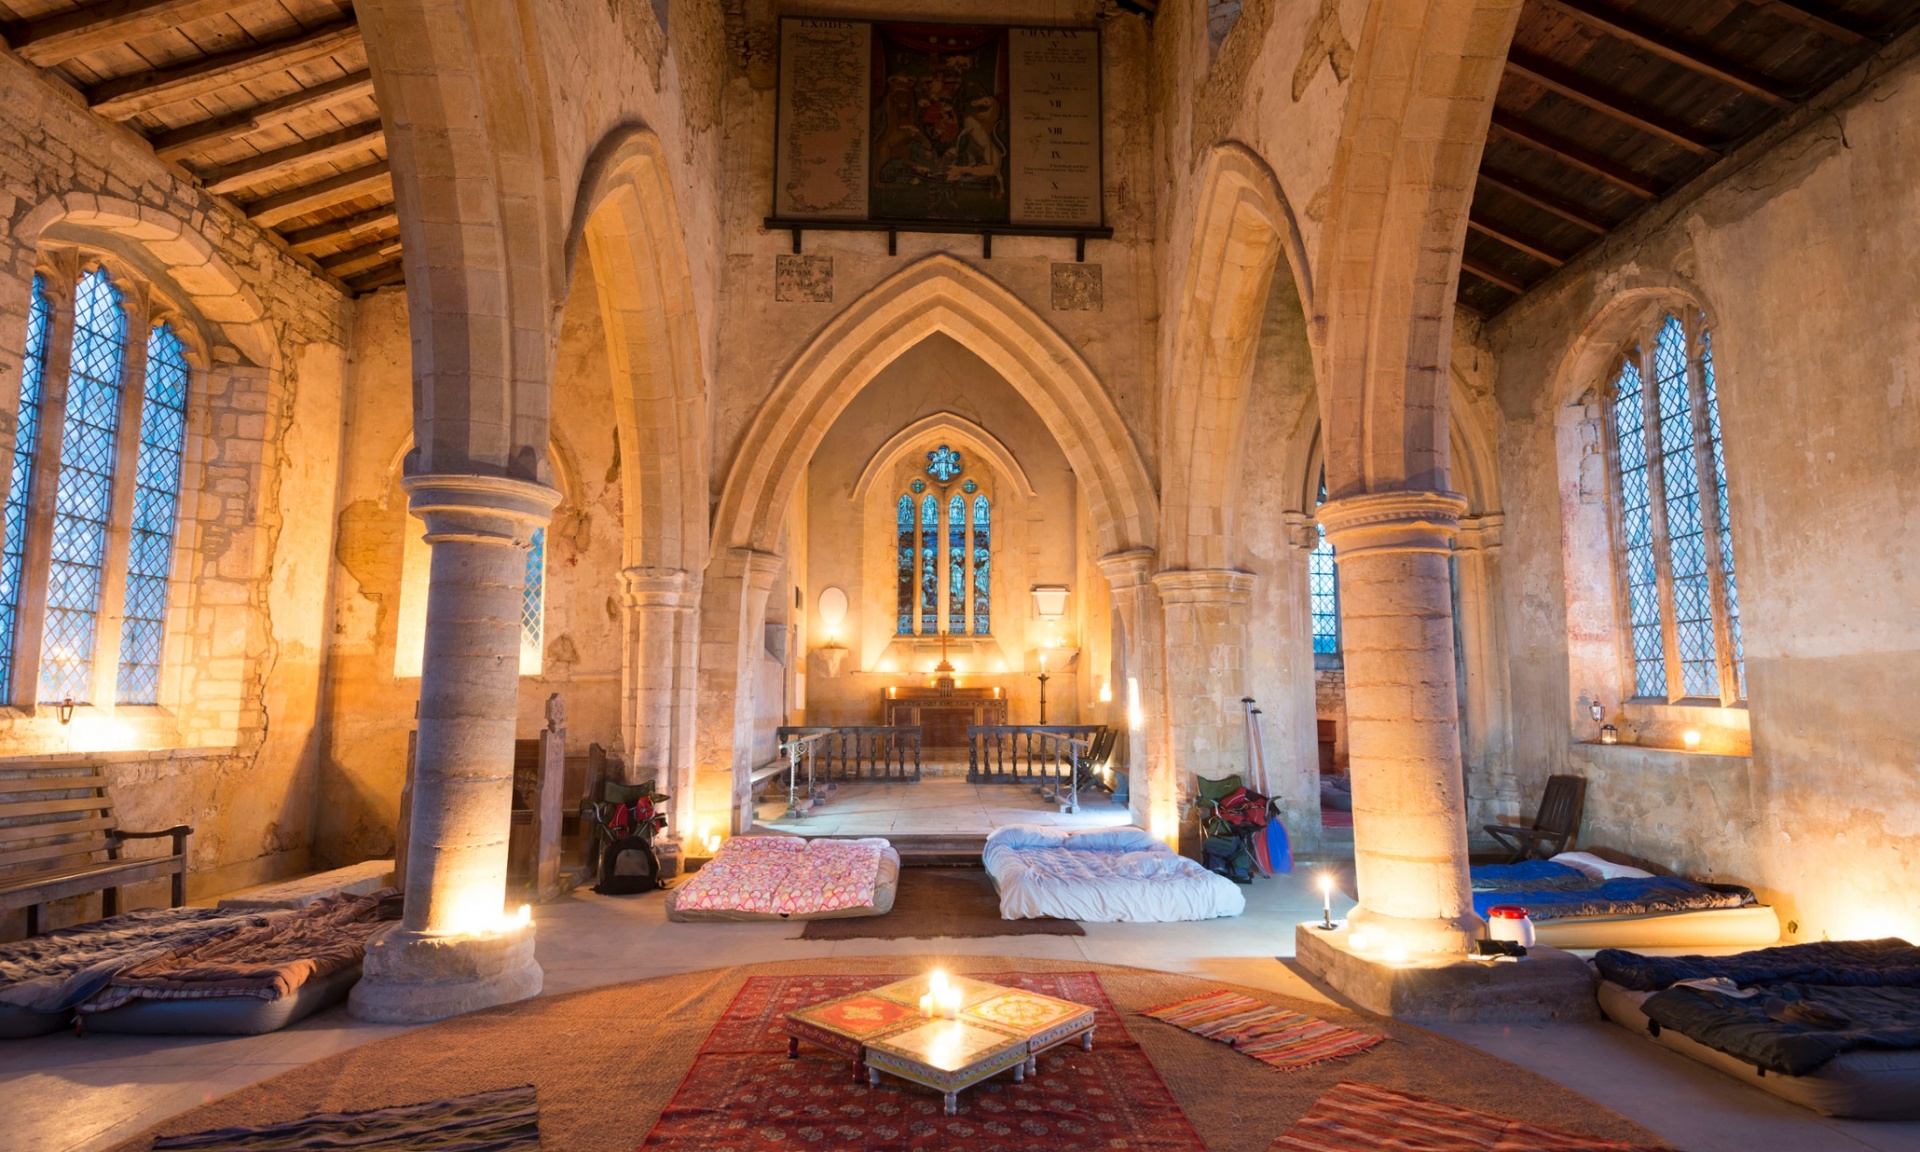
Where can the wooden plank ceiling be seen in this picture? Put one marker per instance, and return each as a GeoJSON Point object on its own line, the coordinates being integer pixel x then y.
{"type": "Point", "coordinates": [268, 102]}
{"type": "Point", "coordinates": [1609, 105]}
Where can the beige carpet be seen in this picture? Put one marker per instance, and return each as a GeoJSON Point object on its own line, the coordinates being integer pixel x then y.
{"type": "Point", "coordinates": [606, 1061]}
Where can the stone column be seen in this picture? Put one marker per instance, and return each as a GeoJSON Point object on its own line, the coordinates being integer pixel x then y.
{"type": "Point", "coordinates": [1152, 801]}
{"type": "Point", "coordinates": [1204, 642]}
{"type": "Point", "coordinates": [455, 950]}
{"type": "Point", "coordinates": [657, 603]}
{"type": "Point", "coordinates": [1396, 615]}
{"type": "Point", "coordinates": [733, 610]}
{"type": "Point", "coordinates": [1486, 729]}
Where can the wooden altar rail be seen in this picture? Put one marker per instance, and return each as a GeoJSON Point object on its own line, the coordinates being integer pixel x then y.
{"type": "Point", "coordinates": [1017, 754]}
{"type": "Point", "coordinates": [864, 752]}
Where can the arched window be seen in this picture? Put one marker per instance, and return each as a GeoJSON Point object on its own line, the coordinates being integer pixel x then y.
{"type": "Point", "coordinates": [108, 543]}
{"type": "Point", "coordinates": [944, 544]}
{"type": "Point", "coordinates": [1674, 534]}
{"type": "Point", "coordinates": [1323, 591]}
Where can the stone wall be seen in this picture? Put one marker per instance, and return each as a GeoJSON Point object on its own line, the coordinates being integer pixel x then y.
{"type": "Point", "coordinates": [233, 744]}
{"type": "Point", "coordinates": [1801, 252]}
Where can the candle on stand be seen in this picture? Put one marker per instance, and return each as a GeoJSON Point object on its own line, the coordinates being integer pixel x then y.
{"type": "Point", "coordinates": [1326, 902]}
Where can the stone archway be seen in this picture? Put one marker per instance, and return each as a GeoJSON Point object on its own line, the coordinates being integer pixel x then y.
{"type": "Point", "coordinates": [938, 294]}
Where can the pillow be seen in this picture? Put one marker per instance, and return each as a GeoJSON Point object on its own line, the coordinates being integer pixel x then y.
{"type": "Point", "coordinates": [748, 844]}
{"type": "Point", "coordinates": [1115, 840]}
{"type": "Point", "coordinates": [1026, 836]}
{"type": "Point", "coordinates": [1600, 869]}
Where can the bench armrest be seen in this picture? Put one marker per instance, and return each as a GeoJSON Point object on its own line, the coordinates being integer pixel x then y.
{"type": "Point", "coordinates": [179, 832]}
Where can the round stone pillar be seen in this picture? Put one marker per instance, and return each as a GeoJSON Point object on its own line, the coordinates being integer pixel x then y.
{"type": "Point", "coordinates": [455, 950]}
{"type": "Point", "coordinates": [1396, 628]}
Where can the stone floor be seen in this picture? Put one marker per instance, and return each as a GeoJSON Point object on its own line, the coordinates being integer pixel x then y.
{"type": "Point", "coordinates": [939, 805]}
{"type": "Point", "coordinates": [60, 1094]}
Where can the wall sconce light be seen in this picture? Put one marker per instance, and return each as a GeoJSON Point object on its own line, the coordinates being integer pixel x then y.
{"type": "Point", "coordinates": [66, 710]}
{"type": "Point", "coordinates": [1597, 710]}
{"type": "Point", "coordinates": [833, 611]}
{"type": "Point", "coordinates": [1106, 692]}
{"type": "Point", "coordinates": [1691, 739]}
{"type": "Point", "coordinates": [1050, 602]}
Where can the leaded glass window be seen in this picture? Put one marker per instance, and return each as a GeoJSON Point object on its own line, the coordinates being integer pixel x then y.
{"type": "Point", "coordinates": [903, 519]}
{"type": "Point", "coordinates": [26, 446]}
{"type": "Point", "coordinates": [533, 605]}
{"type": "Point", "coordinates": [1323, 588]}
{"type": "Point", "coordinates": [982, 566]}
{"type": "Point", "coordinates": [944, 552]}
{"type": "Point", "coordinates": [84, 499]}
{"type": "Point", "coordinates": [1673, 531]}
{"type": "Point", "coordinates": [957, 565]}
{"type": "Point", "coordinates": [930, 564]}
{"type": "Point", "coordinates": [156, 505]}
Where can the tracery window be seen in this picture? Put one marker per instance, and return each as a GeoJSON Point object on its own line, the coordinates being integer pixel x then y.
{"type": "Point", "coordinates": [101, 425]}
{"type": "Point", "coordinates": [1323, 590]}
{"type": "Point", "coordinates": [1674, 535]}
{"type": "Point", "coordinates": [944, 551]}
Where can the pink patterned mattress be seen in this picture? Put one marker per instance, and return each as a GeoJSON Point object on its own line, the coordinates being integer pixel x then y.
{"type": "Point", "coordinates": [790, 878]}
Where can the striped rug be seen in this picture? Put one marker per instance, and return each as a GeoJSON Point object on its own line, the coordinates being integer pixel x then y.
{"type": "Point", "coordinates": [1356, 1117]}
{"type": "Point", "coordinates": [1286, 1040]}
{"type": "Point", "coordinates": [505, 1120]}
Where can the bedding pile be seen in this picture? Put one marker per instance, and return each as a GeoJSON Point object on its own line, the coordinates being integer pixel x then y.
{"type": "Point", "coordinates": [56, 971]}
{"type": "Point", "coordinates": [1789, 1010]}
{"type": "Point", "coordinates": [1575, 884]}
{"type": "Point", "coordinates": [790, 878]}
{"type": "Point", "coordinates": [271, 958]}
{"type": "Point", "coordinates": [1102, 875]}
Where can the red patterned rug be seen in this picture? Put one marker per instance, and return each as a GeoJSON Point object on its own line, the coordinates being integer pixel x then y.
{"type": "Point", "coordinates": [1356, 1117]}
{"type": "Point", "coordinates": [744, 1095]}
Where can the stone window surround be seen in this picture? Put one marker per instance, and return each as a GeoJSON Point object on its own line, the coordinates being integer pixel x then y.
{"type": "Point", "coordinates": [147, 303]}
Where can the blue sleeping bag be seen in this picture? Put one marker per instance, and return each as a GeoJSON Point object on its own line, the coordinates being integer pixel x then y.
{"type": "Point", "coordinates": [1550, 891]}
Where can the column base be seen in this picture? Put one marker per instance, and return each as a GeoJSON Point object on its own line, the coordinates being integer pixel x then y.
{"type": "Point", "coordinates": [417, 978]}
{"type": "Point", "coordinates": [1450, 939]}
{"type": "Point", "coordinates": [1548, 985]}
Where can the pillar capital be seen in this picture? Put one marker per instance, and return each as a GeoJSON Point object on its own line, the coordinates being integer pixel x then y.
{"type": "Point", "coordinates": [1302, 531]}
{"type": "Point", "coordinates": [1203, 586]}
{"type": "Point", "coordinates": [1482, 533]}
{"type": "Point", "coordinates": [1127, 569]}
{"type": "Point", "coordinates": [645, 587]}
{"type": "Point", "coordinates": [479, 509]}
{"type": "Point", "coordinates": [1388, 522]}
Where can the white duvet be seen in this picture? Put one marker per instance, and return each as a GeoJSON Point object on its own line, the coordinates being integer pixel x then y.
{"type": "Point", "coordinates": [1103, 875]}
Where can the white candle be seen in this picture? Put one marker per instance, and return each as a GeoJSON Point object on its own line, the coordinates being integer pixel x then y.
{"type": "Point", "coordinates": [926, 1006]}
{"type": "Point", "coordinates": [1326, 901]}
{"type": "Point", "coordinates": [950, 1003]}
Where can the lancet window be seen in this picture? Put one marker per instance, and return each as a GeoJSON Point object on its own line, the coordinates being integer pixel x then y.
{"type": "Point", "coordinates": [1673, 530]}
{"type": "Point", "coordinates": [1323, 591]}
{"type": "Point", "coordinates": [88, 528]}
{"type": "Point", "coordinates": [944, 551]}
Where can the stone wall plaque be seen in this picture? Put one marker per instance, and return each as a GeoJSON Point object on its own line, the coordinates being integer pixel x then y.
{"type": "Point", "coordinates": [803, 279]}
{"type": "Point", "coordinates": [1078, 288]}
{"type": "Point", "coordinates": [1054, 87]}
{"type": "Point", "coordinates": [820, 149]}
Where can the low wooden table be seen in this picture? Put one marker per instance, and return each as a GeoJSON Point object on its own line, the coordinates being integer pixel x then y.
{"type": "Point", "coordinates": [998, 1029]}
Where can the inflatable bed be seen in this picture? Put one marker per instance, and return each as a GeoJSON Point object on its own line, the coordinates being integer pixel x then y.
{"type": "Point", "coordinates": [1832, 1026]}
{"type": "Point", "coordinates": [44, 978]}
{"type": "Point", "coordinates": [1579, 900]}
{"type": "Point", "coordinates": [1102, 875]}
{"type": "Point", "coordinates": [790, 878]}
{"type": "Point", "coordinates": [261, 976]}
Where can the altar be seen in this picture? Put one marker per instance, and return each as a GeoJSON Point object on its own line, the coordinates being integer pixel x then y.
{"type": "Point", "coordinates": [943, 714]}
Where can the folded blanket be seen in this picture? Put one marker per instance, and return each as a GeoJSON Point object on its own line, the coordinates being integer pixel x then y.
{"type": "Point", "coordinates": [56, 971]}
{"type": "Point", "coordinates": [1635, 896]}
{"type": "Point", "coordinates": [1833, 963]}
{"type": "Point", "coordinates": [1791, 1028]}
{"type": "Point", "coordinates": [1529, 876]}
{"type": "Point", "coordinates": [269, 959]}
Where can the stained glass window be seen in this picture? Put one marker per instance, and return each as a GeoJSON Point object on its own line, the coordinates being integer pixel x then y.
{"type": "Point", "coordinates": [533, 605]}
{"type": "Point", "coordinates": [982, 566]}
{"type": "Point", "coordinates": [957, 565]}
{"type": "Point", "coordinates": [903, 595]}
{"type": "Point", "coordinates": [1323, 590]}
{"type": "Point", "coordinates": [26, 444]}
{"type": "Point", "coordinates": [85, 496]}
{"type": "Point", "coordinates": [156, 504]}
{"type": "Point", "coordinates": [943, 464]}
{"type": "Point", "coordinates": [1674, 530]}
{"type": "Point", "coordinates": [930, 565]}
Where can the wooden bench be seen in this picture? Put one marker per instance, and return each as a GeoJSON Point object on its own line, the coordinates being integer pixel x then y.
{"type": "Point", "coordinates": [59, 838]}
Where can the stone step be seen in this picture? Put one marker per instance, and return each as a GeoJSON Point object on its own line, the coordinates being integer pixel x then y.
{"type": "Point", "coordinates": [355, 880]}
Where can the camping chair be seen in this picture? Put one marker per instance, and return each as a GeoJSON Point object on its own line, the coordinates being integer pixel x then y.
{"type": "Point", "coordinates": [1554, 829]}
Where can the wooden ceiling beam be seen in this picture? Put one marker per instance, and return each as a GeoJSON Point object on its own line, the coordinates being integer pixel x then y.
{"type": "Point", "coordinates": [1832, 25]}
{"type": "Point", "coordinates": [1661, 42]}
{"type": "Point", "coordinates": [393, 273]}
{"type": "Point", "coordinates": [1545, 201]}
{"type": "Point", "coordinates": [371, 179]}
{"type": "Point", "coordinates": [185, 141]}
{"type": "Point", "coordinates": [1492, 276]}
{"type": "Point", "coordinates": [357, 260]}
{"type": "Point", "coordinates": [1573, 155]}
{"type": "Point", "coordinates": [54, 39]}
{"type": "Point", "coordinates": [304, 154]}
{"type": "Point", "coordinates": [1500, 233]}
{"type": "Point", "coordinates": [1614, 105]}
{"type": "Point", "coordinates": [330, 231]}
{"type": "Point", "coordinates": [128, 96]}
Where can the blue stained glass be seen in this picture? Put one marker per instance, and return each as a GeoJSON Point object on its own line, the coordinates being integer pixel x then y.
{"type": "Point", "coordinates": [957, 566]}
{"type": "Point", "coordinates": [533, 595]}
{"type": "Point", "coordinates": [982, 567]}
{"type": "Point", "coordinates": [903, 594]}
{"type": "Point", "coordinates": [1323, 590]}
{"type": "Point", "coordinates": [943, 464]}
{"type": "Point", "coordinates": [26, 444]}
{"type": "Point", "coordinates": [1636, 531]}
{"type": "Point", "coordinates": [1724, 520]}
{"type": "Point", "coordinates": [1686, 530]}
{"type": "Point", "coordinates": [929, 566]}
{"type": "Point", "coordinates": [156, 505]}
{"type": "Point", "coordinates": [85, 495]}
